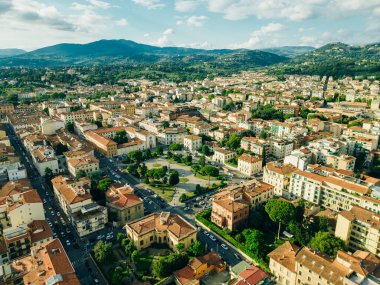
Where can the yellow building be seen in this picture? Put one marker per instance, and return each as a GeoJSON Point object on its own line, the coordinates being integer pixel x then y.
{"type": "Point", "coordinates": [162, 228]}
{"type": "Point", "coordinates": [360, 229]}
{"type": "Point", "coordinates": [86, 164]}
{"type": "Point", "coordinates": [6, 108]}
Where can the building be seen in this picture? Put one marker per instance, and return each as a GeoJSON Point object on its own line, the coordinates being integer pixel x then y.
{"type": "Point", "coordinates": [76, 202]}
{"type": "Point", "coordinates": [250, 165]}
{"type": "Point", "coordinates": [84, 164]}
{"type": "Point", "coordinates": [280, 148]}
{"type": "Point", "coordinates": [359, 229]}
{"type": "Point", "coordinates": [315, 268]}
{"type": "Point", "coordinates": [278, 175]}
{"type": "Point", "coordinates": [164, 227]}
{"type": "Point", "coordinates": [171, 136]}
{"type": "Point", "coordinates": [282, 263]}
{"type": "Point", "coordinates": [345, 162]}
{"type": "Point", "coordinates": [124, 204]}
{"type": "Point", "coordinates": [44, 158]}
{"type": "Point", "coordinates": [222, 155]}
{"type": "Point", "coordinates": [199, 267]}
{"type": "Point", "coordinates": [246, 274]}
{"type": "Point", "coordinates": [192, 143]}
{"type": "Point", "coordinates": [229, 209]}
{"type": "Point", "coordinates": [256, 146]}
{"type": "Point", "coordinates": [49, 264]}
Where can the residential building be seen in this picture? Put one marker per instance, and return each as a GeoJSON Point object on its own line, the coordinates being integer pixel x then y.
{"type": "Point", "coordinates": [76, 202]}
{"type": "Point", "coordinates": [44, 158]}
{"type": "Point", "coordinates": [124, 204]}
{"type": "Point", "coordinates": [359, 229]}
{"type": "Point", "coordinates": [84, 164]}
{"type": "Point", "coordinates": [250, 165]}
{"type": "Point", "coordinates": [282, 263]}
{"type": "Point", "coordinates": [257, 146]}
{"type": "Point", "coordinates": [171, 135]}
{"type": "Point", "coordinates": [280, 148]}
{"type": "Point", "coordinates": [199, 267]}
{"type": "Point", "coordinates": [165, 227]}
{"type": "Point", "coordinates": [222, 155]}
{"type": "Point", "coordinates": [278, 175]}
{"type": "Point", "coordinates": [192, 142]}
{"type": "Point", "coordinates": [345, 162]}
{"type": "Point", "coordinates": [246, 274]}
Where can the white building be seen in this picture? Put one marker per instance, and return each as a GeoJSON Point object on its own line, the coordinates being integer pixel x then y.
{"type": "Point", "coordinates": [250, 165]}
{"type": "Point", "coordinates": [222, 155]}
{"type": "Point", "coordinates": [192, 143]}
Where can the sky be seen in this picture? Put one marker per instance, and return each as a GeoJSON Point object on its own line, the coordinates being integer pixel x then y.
{"type": "Point", "coordinates": [208, 24]}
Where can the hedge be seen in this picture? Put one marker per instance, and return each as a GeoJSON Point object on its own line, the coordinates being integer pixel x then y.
{"type": "Point", "coordinates": [201, 218]}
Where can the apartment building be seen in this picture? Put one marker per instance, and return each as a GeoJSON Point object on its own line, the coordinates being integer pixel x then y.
{"type": "Point", "coordinates": [221, 155]}
{"type": "Point", "coordinates": [171, 135]}
{"type": "Point", "coordinates": [278, 175]}
{"type": "Point", "coordinates": [257, 146]}
{"type": "Point", "coordinates": [280, 148]}
{"type": "Point", "coordinates": [315, 268]}
{"type": "Point", "coordinates": [282, 263]}
{"type": "Point", "coordinates": [6, 108]}
{"type": "Point", "coordinates": [250, 165]}
{"type": "Point", "coordinates": [192, 142]}
{"type": "Point", "coordinates": [229, 209]}
{"type": "Point", "coordinates": [102, 144]}
{"type": "Point", "coordinates": [162, 228]}
{"type": "Point", "coordinates": [84, 164]}
{"type": "Point", "coordinates": [76, 202]}
{"type": "Point", "coordinates": [330, 191]}
{"type": "Point", "coordinates": [124, 204]}
{"type": "Point", "coordinates": [81, 115]}
{"type": "Point", "coordinates": [345, 162]}
{"type": "Point", "coordinates": [360, 229]}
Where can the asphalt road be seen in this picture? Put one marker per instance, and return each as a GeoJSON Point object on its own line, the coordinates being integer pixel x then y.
{"type": "Point", "coordinates": [62, 229]}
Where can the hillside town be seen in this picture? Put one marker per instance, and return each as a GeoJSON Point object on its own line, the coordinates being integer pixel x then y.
{"type": "Point", "coordinates": [246, 179]}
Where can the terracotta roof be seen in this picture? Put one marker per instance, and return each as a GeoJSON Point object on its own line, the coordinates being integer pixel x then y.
{"type": "Point", "coordinates": [283, 169]}
{"type": "Point", "coordinates": [363, 215]}
{"type": "Point", "coordinates": [250, 158]}
{"type": "Point", "coordinates": [253, 275]}
{"type": "Point", "coordinates": [70, 190]}
{"type": "Point", "coordinates": [40, 230]}
{"type": "Point", "coordinates": [77, 162]}
{"type": "Point", "coordinates": [14, 187]}
{"type": "Point", "coordinates": [123, 197]}
{"type": "Point", "coordinates": [285, 255]}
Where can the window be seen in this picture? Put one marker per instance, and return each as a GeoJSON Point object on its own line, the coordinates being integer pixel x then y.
{"type": "Point", "coordinates": [141, 242]}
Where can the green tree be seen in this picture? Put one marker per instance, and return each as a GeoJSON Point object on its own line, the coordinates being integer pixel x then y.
{"type": "Point", "coordinates": [135, 156]}
{"type": "Point", "coordinates": [254, 240]}
{"type": "Point", "coordinates": [202, 161]}
{"type": "Point", "coordinates": [165, 124]}
{"type": "Point", "coordinates": [280, 211]}
{"type": "Point", "coordinates": [175, 146]}
{"type": "Point", "coordinates": [210, 171]}
{"type": "Point", "coordinates": [180, 246]}
{"type": "Point", "coordinates": [166, 265]}
{"type": "Point", "coordinates": [173, 178]}
{"type": "Point", "coordinates": [142, 169]}
{"type": "Point", "coordinates": [121, 137]}
{"type": "Point", "coordinates": [326, 243]}
{"type": "Point", "coordinates": [196, 248]}
{"type": "Point", "coordinates": [234, 141]}
{"type": "Point", "coordinates": [188, 159]}
{"type": "Point", "coordinates": [104, 184]}
{"type": "Point", "coordinates": [102, 251]}
{"type": "Point", "coordinates": [159, 150]}
{"type": "Point", "coordinates": [263, 135]}
{"type": "Point", "coordinates": [70, 127]}
{"type": "Point", "coordinates": [206, 150]}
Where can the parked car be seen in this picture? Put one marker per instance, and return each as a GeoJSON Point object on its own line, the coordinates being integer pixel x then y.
{"type": "Point", "coordinates": [206, 233]}
{"type": "Point", "coordinates": [212, 238]}
{"type": "Point", "coordinates": [224, 246]}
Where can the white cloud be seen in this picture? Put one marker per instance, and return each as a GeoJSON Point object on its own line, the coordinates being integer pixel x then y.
{"type": "Point", "coordinates": [203, 45]}
{"type": "Point", "coordinates": [164, 39]}
{"type": "Point", "coordinates": [187, 5]}
{"type": "Point", "coordinates": [122, 22]}
{"type": "Point", "coordinates": [150, 4]}
{"type": "Point", "coordinates": [99, 4]}
{"type": "Point", "coordinates": [192, 21]}
{"type": "Point", "coordinates": [146, 35]}
{"type": "Point", "coordinates": [257, 38]}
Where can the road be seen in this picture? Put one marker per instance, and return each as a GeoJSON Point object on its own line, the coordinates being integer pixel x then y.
{"type": "Point", "coordinates": [154, 203]}
{"type": "Point", "coordinates": [62, 229]}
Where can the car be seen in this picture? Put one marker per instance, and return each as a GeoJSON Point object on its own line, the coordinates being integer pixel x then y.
{"type": "Point", "coordinates": [206, 233]}
{"type": "Point", "coordinates": [237, 256]}
{"type": "Point", "coordinates": [186, 209]}
{"type": "Point", "coordinates": [63, 223]}
{"type": "Point", "coordinates": [99, 237]}
{"type": "Point", "coordinates": [150, 202]}
{"type": "Point", "coordinates": [52, 213]}
{"type": "Point", "coordinates": [212, 238]}
{"type": "Point", "coordinates": [68, 242]}
{"type": "Point", "coordinates": [224, 246]}
{"type": "Point", "coordinates": [58, 213]}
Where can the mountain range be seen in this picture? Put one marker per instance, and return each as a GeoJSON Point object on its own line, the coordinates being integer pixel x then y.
{"type": "Point", "coordinates": [11, 52]}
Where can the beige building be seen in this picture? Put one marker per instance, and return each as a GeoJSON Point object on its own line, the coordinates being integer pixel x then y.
{"type": "Point", "coordinates": [282, 263]}
{"type": "Point", "coordinates": [222, 155]}
{"type": "Point", "coordinates": [44, 157]}
{"type": "Point", "coordinates": [86, 164]}
{"type": "Point", "coordinates": [344, 162]}
{"type": "Point", "coordinates": [278, 175]}
{"type": "Point", "coordinates": [280, 148]}
{"type": "Point", "coordinates": [250, 165]}
{"type": "Point", "coordinates": [257, 146]}
{"type": "Point", "coordinates": [164, 227]}
{"type": "Point", "coordinates": [76, 202]}
{"type": "Point", "coordinates": [124, 204]}
{"type": "Point", "coordinates": [360, 229]}
{"type": "Point", "coordinates": [192, 143]}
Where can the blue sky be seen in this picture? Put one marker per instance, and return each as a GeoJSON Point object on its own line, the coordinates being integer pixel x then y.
{"type": "Point", "coordinates": [30, 24]}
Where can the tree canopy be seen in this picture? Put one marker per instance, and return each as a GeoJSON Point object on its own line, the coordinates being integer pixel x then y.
{"type": "Point", "coordinates": [326, 243]}
{"type": "Point", "coordinates": [280, 211]}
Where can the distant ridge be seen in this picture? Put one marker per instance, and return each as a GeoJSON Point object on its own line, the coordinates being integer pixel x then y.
{"type": "Point", "coordinates": [11, 52]}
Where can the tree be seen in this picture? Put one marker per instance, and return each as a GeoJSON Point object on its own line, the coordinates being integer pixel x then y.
{"type": "Point", "coordinates": [326, 243]}
{"type": "Point", "coordinates": [280, 211]}
{"type": "Point", "coordinates": [104, 184]}
{"type": "Point", "coordinates": [173, 178]}
{"type": "Point", "coordinates": [180, 246]}
{"type": "Point", "coordinates": [202, 161]}
{"type": "Point", "coordinates": [183, 197]}
{"type": "Point", "coordinates": [196, 248]}
{"type": "Point", "coordinates": [165, 124]}
{"type": "Point", "coordinates": [48, 172]}
{"type": "Point", "coordinates": [142, 169]}
{"type": "Point", "coordinates": [60, 149]}
{"type": "Point", "coordinates": [135, 256]}
{"type": "Point", "coordinates": [102, 251]}
{"type": "Point", "coordinates": [234, 141]}
{"type": "Point", "coordinates": [80, 174]}
{"type": "Point", "coordinates": [121, 137]}
{"type": "Point", "coordinates": [263, 135]}
{"type": "Point", "coordinates": [253, 240]}
{"type": "Point", "coordinates": [175, 146]}
{"type": "Point", "coordinates": [206, 150]}
{"type": "Point", "coordinates": [159, 150]}
{"type": "Point", "coordinates": [135, 156]}
{"type": "Point", "coordinates": [166, 265]}
{"type": "Point", "coordinates": [70, 127]}
{"type": "Point", "coordinates": [12, 98]}
{"type": "Point", "coordinates": [210, 171]}
{"type": "Point", "coordinates": [188, 160]}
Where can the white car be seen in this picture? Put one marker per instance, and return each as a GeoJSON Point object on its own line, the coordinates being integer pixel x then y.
{"type": "Point", "coordinates": [68, 242]}
{"type": "Point", "coordinates": [212, 238]}
{"type": "Point", "coordinates": [224, 246]}
{"type": "Point", "coordinates": [206, 233]}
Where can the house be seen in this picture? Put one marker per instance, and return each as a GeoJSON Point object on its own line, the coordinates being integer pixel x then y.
{"type": "Point", "coordinates": [359, 229]}
{"type": "Point", "coordinates": [199, 267]}
{"type": "Point", "coordinates": [164, 227]}
{"type": "Point", "coordinates": [192, 142]}
{"type": "Point", "coordinates": [222, 155]}
{"type": "Point", "coordinates": [345, 162]}
{"type": "Point", "coordinates": [250, 165]}
{"type": "Point", "coordinates": [246, 274]}
{"type": "Point", "coordinates": [124, 204]}
{"type": "Point", "coordinates": [257, 146]}
{"type": "Point", "coordinates": [282, 263]}
{"type": "Point", "coordinates": [278, 175]}
{"type": "Point", "coordinates": [44, 158]}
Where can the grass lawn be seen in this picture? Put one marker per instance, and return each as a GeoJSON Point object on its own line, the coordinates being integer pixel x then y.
{"type": "Point", "coordinates": [184, 180]}
{"type": "Point", "coordinates": [204, 177]}
{"type": "Point", "coordinates": [165, 192]}
{"type": "Point", "coordinates": [157, 165]}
